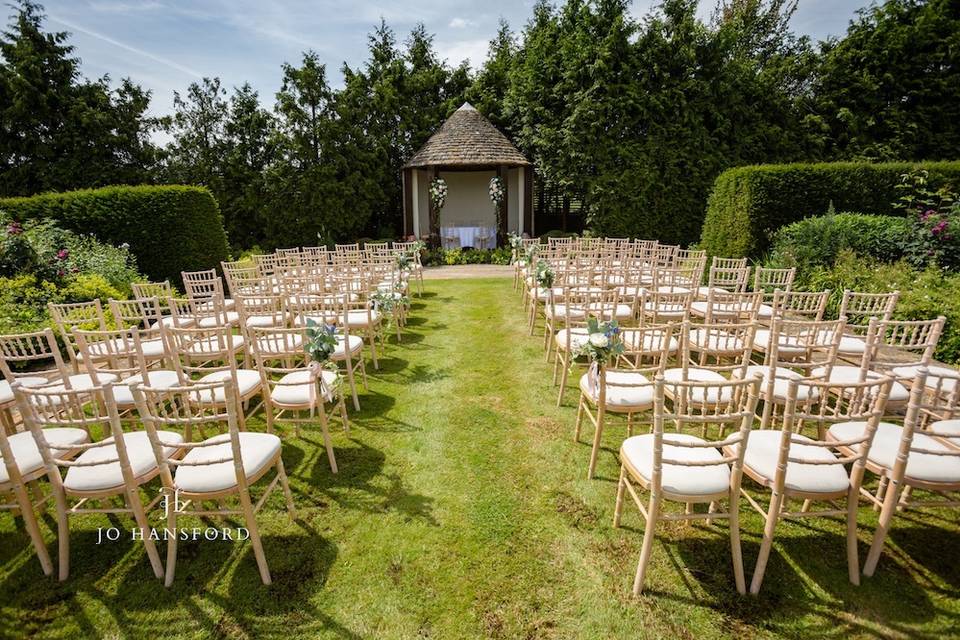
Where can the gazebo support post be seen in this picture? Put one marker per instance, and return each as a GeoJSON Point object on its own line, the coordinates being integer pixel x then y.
{"type": "Point", "coordinates": [503, 172]}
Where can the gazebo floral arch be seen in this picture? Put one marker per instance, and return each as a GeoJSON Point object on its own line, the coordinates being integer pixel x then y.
{"type": "Point", "coordinates": [467, 152]}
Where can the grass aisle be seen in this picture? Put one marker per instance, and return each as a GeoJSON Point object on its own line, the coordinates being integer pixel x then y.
{"type": "Point", "coordinates": [461, 510]}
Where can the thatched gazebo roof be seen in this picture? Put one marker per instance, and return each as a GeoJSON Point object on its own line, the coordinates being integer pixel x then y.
{"type": "Point", "coordinates": [467, 139]}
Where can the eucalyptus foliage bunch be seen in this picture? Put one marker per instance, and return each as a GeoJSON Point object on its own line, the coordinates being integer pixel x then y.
{"type": "Point", "coordinates": [321, 341]}
{"type": "Point", "coordinates": [544, 274]}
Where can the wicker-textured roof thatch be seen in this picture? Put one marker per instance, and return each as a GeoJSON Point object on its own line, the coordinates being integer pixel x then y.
{"type": "Point", "coordinates": [467, 139]}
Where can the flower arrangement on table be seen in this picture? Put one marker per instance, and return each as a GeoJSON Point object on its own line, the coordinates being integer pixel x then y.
{"type": "Point", "coordinates": [319, 346]}
{"type": "Point", "coordinates": [604, 342]}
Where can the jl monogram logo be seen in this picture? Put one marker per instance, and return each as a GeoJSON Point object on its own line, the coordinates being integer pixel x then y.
{"type": "Point", "coordinates": [175, 504]}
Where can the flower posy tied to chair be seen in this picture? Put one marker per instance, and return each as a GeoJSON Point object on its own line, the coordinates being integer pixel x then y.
{"type": "Point", "coordinates": [320, 344]}
{"type": "Point", "coordinates": [544, 274]}
{"type": "Point", "coordinates": [604, 344]}
{"type": "Point", "coordinates": [389, 303]}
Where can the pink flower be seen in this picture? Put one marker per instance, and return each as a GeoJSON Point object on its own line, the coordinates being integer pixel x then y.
{"type": "Point", "coordinates": [63, 254]}
{"type": "Point", "coordinates": [14, 228]}
{"type": "Point", "coordinates": [939, 228]}
{"type": "Point", "coordinates": [927, 214]}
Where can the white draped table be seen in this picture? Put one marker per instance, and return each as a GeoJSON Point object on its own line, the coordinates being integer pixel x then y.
{"type": "Point", "coordinates": [468, 237]}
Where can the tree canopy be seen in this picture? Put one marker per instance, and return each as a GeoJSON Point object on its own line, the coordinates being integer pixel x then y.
{"type": "Point", "coordinates": [635, 118]}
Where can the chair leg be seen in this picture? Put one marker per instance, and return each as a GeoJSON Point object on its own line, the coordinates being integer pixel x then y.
{"type": "Point", "coordinates": [889, 509]}
{"type": "Point", "coordinates": [251, 521]}
{"type": "Point", "coordinates": [63, 533]}
{"type": "Point", "coordinates": [735, 549]}
{"type": "Point", "coordinates": [773, 514]}
{"type": "Point", "coordinates": [595, 449]}
{"type": "Point", "coordinates": [171, 547]}
{"type": "Point", "coordinates": [33, 529]}
{"type": "Point", "coordinates": [564, 370]}
{"type": "Point", "coordinates": [621, 489]}
{"type": "Point", "coordinates": [285, 484]}
{"type": "Point", "coordinates": [853, 559]}
{"type": "Point", "coordinates": [653, 514]}
{"type": "Point", "coordinates": [326, 439]}
{"type": "Point", "coordinates": [343, 412]}
{"type": "Point", "coordinates": [580, 409]}
{"type": "Point", "coordinates": [136, 506]}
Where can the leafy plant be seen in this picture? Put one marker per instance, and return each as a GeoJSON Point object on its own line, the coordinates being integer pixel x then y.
{"type": "Point", "coordinates": [321, 341]}
{"type": "Point", "coordinates": [544, 274]}
{"type": "Point", "coordinates": [935, 214]}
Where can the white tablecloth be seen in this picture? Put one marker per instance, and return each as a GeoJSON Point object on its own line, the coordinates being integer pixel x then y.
{"type": "Point", "coordinates": [468, 237]}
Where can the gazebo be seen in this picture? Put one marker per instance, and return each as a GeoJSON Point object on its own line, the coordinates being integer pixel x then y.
{"type": "Point", "coordinates": [467, 151]}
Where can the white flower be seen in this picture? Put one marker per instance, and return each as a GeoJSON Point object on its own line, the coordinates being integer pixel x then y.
{"type": "Point", "coordinates": [599, 340]}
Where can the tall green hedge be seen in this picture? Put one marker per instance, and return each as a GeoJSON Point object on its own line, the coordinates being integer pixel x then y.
{"type": "Point", "coordinates": [748, 204]}
{"type": "Point", "coordinates": [169, 228]}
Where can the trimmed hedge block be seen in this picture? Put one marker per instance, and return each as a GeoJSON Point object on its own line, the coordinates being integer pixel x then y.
{"type": "Point", "coordinates": [169, 228]}
{"type": "Point", "coordinates": [749, 204]}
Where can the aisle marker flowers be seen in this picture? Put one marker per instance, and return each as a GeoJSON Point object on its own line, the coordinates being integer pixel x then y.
{"type": "Point", "coordinates": [320, 344]}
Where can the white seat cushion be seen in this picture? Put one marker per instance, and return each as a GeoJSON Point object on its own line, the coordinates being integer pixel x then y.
{"type": "Point", "coordinates": [934, 376]}
{"type": "Point", "coordinates": [232, 317]}
{"type": "Point", "coordinates": [578, 337]}
{"type": "Point", "coordinates": [295, 389]}
{"type": "Point", "coordinates": [108, 474]}
{"type": "Point", "coordinates": [560, 310]}
{"type": "Point", "coordinates": [6, 392]}
{"type": "Point", "coordinates": [153, 348]}
{"type": "Point", "coordinates": [787, 346]}
{"type": "Point", "coordinates": [705, 291]}
{"type": "Point", "coordinates": [781, 381]}
{"type": "Point", "coordinates": [949, 429]}
{"type": "Point", "coordinates": [247, 382]}
{"type": "Point", "coordinates": [712, 395]}
{"type": "Point", "coordinates": [156, 379]}
{"type": "Point", "coordinates": [886, 443]}
{"type": "Point", "coordinates": [27, 454]}
{"type": "Point", "coordinates": [765, 311]}
{"type": "Point", "coordinates": [257, 450]}
{"type": "Point", "coordinates": [214, 345]}
{"type": "Point", "coordinates": [719, 309]}
{"type": "Point", "coordinates": [845, 374]}
{"type": "Point", "coordinates": [638, 397]}
{"type": "Point", "coordinates": [169, 321]}
{"type": "Point", "coordinates": [621, 311]}
{"type": "Point", "coordinates": [850, 345]}
{"type": "Point", "coordinates": [651, 341]}
{"type": "Point", "coordinates": [83, 381]}
{"type": "Point", "coordinates": [692, 481]}
{"type": "Point", "coordinates": [340, 352]}
{"type": "Point", "coordinates": [359, 318]}
{"type": "Point", "coordinates": [665, 311]}
{"type": "Point", "coordinates": [672, 288]}
{"type": "Point", "coordinates": [267, 320]}
{"type": "Point", "coordinates": [713, 340]}
{"type": "Point", "coordinates": [763, 450]}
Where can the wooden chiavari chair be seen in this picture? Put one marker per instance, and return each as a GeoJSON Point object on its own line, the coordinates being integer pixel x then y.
{"type": "Point", "coordinates": [215, 469]}
{"type": "Point", "coordinates": [858, 308]}
{"type": "Point", "coordinates": [907, 457]}
{"type": "Point", "coordinates": [146, 315]}
{"type": "Point", "coordinates": [21, 467]}
{"type": "Point", "coordinates": [76, 315]}
{"type": "Point", "coordinates": [205, 286]}
{"type": "Point", "coordinates": [681, 467]}
{"type": "Point", "coordinates": [813, 468]}
{"type": "Point", "coordinates": [794, 305]}
{"type": "Point", "coordinates": [295, 391]}
{"type": "Point", "coordinates": [121, 360]}
{"type": "Point", "coordinates": [209, 355]}
{"type": "Point", "coordinates": [898, 348]}
{"type": "Point", "coordinates": [768, 281]}
{"type": "Point", "coordinates": [113, 467]}
{"type": "Point", "coordinates": [624, 388]}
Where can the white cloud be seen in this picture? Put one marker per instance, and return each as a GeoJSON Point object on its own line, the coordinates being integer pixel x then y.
{"type": "Point", "coordinates": [455, 52]}
{"type": "Point", "coordinates": [460, 23]}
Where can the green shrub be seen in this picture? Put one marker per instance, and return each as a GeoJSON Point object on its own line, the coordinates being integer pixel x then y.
{"type": "Point", "coordinates": [168, 228]}
{"type": "Point", "coordinates": [24, 298]}
{"type": "Point", "coordinates": [748, 204]}
{"type": "Point", "coordinates": [924, 294]}
{"type": "Point", "coordinates": [500, 255]}
{"type": "Point", "coordinates": [816, 242]}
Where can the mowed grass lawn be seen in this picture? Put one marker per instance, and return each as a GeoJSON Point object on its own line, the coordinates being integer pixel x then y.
{"type": "Point", "coordinates": [462, 510]}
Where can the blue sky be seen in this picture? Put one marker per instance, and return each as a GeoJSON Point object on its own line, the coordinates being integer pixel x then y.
{"type": "Point", "coordinates": [164, 45]}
